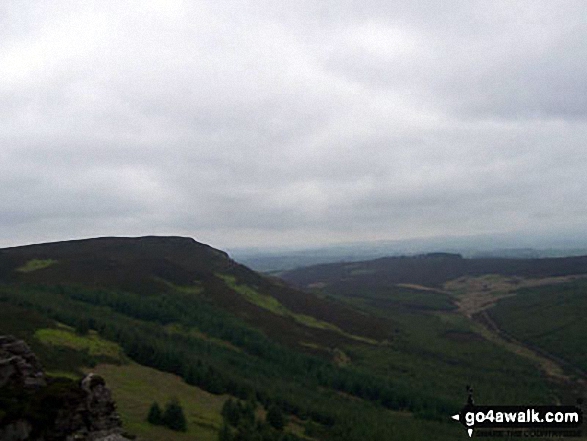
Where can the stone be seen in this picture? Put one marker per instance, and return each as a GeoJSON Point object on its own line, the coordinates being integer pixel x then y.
{"type": "Point", "coordinates": [19, 365]}
{"type": "Point", "coordinates": [88, 413]}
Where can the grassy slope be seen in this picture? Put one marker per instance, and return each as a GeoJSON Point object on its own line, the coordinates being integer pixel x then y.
{"type": "Point", "coordinates": [65, 353]}
{"type": "Point", "coordinates": [273, 305]}
{"type": "Point", "coordinates": [95, 346]}
{"type": "Point", "coordinates": [139, 386]}
{"type": "Point", "coordinates": [155, 265]}
{"type": "Point", "coordinates": [69, 355]}
{"type": "Point", "coordinates": [135, 387]}
{"type": "Point", "coordinates": [36, 264]}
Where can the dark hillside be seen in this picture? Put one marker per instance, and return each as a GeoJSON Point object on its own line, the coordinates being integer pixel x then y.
{"type": "Point", "coordinates": [551, 318]}
{"type": "Point", "coordinates": [110, 261]}
{"type": "Point", "coordinates": [154, 265]}
{"type": "Point", "coordinates": [433, 269]}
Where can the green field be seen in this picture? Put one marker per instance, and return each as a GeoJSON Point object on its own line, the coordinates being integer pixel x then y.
{"type": "Point", "coordinates": [64, 336]}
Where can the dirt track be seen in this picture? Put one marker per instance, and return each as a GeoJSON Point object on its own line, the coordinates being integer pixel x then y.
{"type": "Point", "coordinates": [474, 296]}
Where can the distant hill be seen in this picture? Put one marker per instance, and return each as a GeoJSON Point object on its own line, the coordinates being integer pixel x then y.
{"type": "Point", "coordinates": [131, 263]}
{"type": "Point", "coordinates": [154, 264]}
{"type": "Point", "coordinates": [433, 269]}
{"type": "Point", "coordinates": [515, 245]}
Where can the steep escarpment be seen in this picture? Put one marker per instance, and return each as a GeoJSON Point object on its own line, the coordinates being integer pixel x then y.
{"type": "Point", "coordinates": [36, 407]}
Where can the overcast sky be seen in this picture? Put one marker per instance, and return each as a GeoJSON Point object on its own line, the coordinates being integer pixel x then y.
{"type": "Point", "coordinates": [261, 122]}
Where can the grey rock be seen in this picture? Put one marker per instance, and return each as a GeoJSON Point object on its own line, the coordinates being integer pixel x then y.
{"type": "Point", "coordinates": [19, 366]}
{"type": "Point", "coordinates": [88, 415]}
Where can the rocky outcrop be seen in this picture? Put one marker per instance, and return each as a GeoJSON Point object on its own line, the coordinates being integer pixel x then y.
{"type": "Point", "coordinates": [19, 365]}
{"type": "Point", "coordinates": [36, 408]}
{"type": "Point", "coordinates": [92, 418]}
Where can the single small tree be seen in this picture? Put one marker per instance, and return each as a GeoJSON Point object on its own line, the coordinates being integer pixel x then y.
{"type": "Point", "coordinates": [82, 326]}
{"type": "Point", "coordinates": [246, 431]}
{"type": "Point", "coordinates": [247, 410]}
{"type": "Point", "coordinates": [225, 433]}
{"type": "Point", "coordinates": [173, 416]}
{"type": "Point", "coordinates": [275, 418]}
{"type": "Point", "coordinates": [155, 416]}
{"type": "Point", "coordinates": [231, 412]}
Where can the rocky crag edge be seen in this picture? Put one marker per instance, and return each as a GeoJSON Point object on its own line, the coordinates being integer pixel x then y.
{"type": "Point", "coordinates": [36, 407]}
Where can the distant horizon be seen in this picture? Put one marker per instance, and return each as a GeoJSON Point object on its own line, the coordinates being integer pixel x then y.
{"type": "Point", "coordinates": [566, 240]}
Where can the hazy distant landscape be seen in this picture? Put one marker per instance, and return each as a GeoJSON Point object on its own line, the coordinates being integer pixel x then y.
{"type": "Point", "coordinates": [512, 245]}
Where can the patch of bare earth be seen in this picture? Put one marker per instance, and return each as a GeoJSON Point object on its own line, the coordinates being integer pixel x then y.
{"type": "Point", "coordinates": [476, 294]}
{"type": "Point", "coordinates": [421, 288]}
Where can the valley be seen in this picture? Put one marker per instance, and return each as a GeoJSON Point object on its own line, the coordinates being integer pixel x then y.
{"type": "Point", "coordinates": [393, 342]}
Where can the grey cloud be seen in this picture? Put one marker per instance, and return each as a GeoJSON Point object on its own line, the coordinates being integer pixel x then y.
{"type": "Point", "coordinates": [499, 59]}
{"type": "Point", "coordinates": [277, 123]}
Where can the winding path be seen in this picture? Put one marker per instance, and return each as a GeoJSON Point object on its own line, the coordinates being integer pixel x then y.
{"type": "Point", "coordinates": [474, 296]}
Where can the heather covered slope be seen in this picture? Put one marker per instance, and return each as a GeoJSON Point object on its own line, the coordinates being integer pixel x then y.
{"type": "Point", "coordinates": [154, 265]}
{"type": "Point", "coordinates": [133, 264]}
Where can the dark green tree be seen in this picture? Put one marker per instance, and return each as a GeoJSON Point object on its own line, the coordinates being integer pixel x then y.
{"type": "Point", "coordinates": [155, 417]}
{"type": "Point", "coordinates": [246, 431]}
{"type": "Point", "coordinates": [231, 412]}
{"type": "Point", "coordinates": [173, 416]}
{"type": "Point", "coordinates": [275, 417]}
{"type": "Point", "coordinates": [82, 326]}
{"type": "Point", "coordinates": [225, 433]}
{"type": "Point", "coordinates": [247, 410]}
{"type": "Point", "coordinates": [266, 432]}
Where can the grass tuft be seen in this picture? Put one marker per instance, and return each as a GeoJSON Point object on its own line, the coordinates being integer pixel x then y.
{"type": "Point", "coordinates": [35, 265]}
